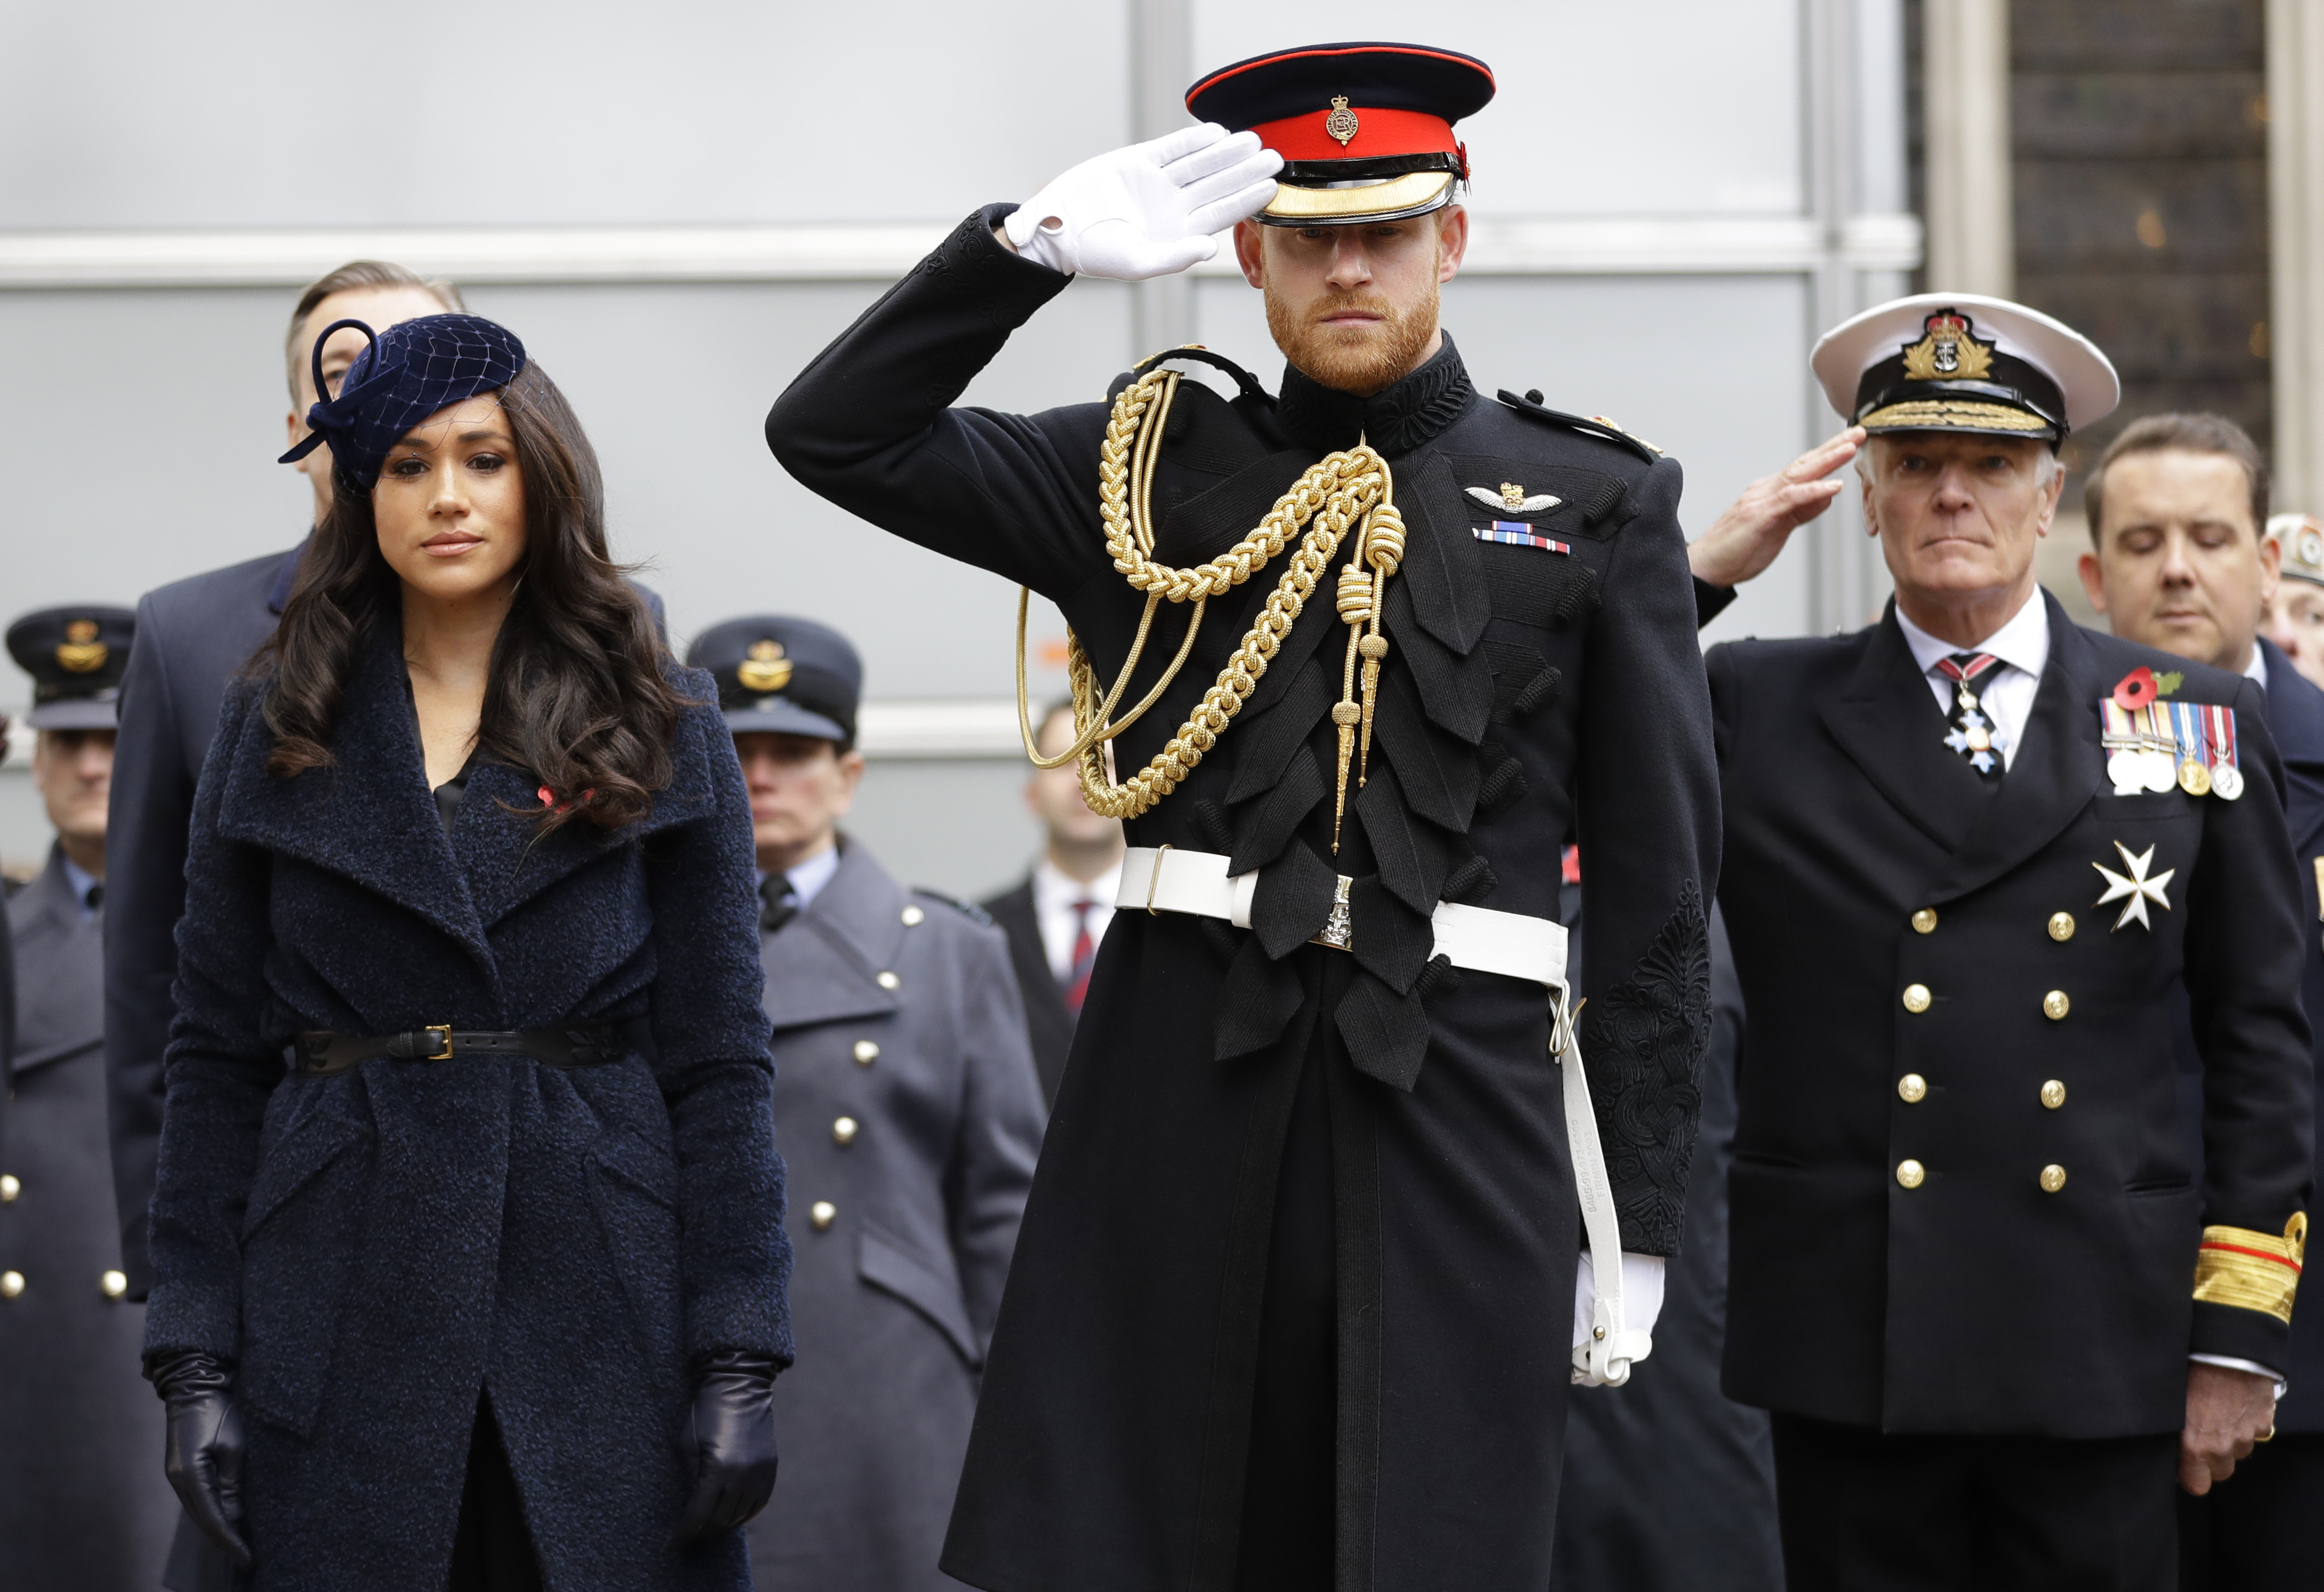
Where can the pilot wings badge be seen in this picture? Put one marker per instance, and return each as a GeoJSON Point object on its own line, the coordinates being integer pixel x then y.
{"type": "Point", "coordinates": [1512, 499]}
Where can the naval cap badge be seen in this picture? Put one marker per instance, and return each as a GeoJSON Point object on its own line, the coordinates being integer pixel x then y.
{"type": "Point", "coordinates": [1947, 351]}
{"type": "Point", "coordinates": [80, 651]}
{"type": "Point", "coordinates": [764, 668]}
{"type": "Point", "coordinates": [1342, 122]}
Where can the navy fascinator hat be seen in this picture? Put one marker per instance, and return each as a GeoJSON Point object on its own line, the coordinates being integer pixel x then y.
{"type": "Point", "coordinates": [404, 375]}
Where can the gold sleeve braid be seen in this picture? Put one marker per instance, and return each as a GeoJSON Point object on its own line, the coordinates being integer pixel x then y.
{"type": "Point", "coordinates": [2250, 1270]}
{"type": "Point", "coordinates": [1343, 489]}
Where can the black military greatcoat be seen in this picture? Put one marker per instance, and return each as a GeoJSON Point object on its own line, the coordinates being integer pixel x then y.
{"type": "Point", "coordinates": [1528, 692]}
{"type": "Point", "coordinates": [1864, 858]}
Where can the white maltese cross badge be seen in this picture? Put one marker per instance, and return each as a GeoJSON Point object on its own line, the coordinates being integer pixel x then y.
{"type": "Point", "coordinates": [2137, 886]}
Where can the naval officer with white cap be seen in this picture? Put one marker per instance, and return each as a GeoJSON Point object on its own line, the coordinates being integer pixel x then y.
{"type": "Point", "coordinates": [1970, 850]}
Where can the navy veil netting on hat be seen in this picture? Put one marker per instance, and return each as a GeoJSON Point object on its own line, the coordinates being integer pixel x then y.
{"type": "Point", "coordinates": [403, 375]}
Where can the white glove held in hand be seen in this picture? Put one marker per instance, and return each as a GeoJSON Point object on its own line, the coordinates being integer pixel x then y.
{"type": "Point", "coordinates": [1642, 1304]}
{"type": "Point", "coordinates": [1150, 209]}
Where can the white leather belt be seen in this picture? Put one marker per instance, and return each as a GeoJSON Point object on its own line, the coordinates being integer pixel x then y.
{"type": "Point", "coordinates": [1163, 879]}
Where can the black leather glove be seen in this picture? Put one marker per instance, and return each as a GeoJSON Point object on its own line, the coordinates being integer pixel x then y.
{"type": "Point", "coordinates": [204, 1446]}
{"type": "Point", "coordinates": [732, 1438]}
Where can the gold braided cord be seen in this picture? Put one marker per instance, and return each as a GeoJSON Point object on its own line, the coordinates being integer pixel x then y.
{"type": "Point", "coordinates": [1311, 518]}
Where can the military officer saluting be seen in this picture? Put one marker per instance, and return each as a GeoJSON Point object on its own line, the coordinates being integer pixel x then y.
{"type": "Point", "coordinates": [908, 1115]}
{"type": "Point", "coordinates": [83, 1503]}
{"type": "Point", "coordinates": [1970, 851]}
{"type": "Point", "coordinates": [1297, 1298]}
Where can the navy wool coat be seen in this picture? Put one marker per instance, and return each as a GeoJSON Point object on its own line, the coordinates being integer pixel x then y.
{"type": "Point", "coordinates": [373, 1248]}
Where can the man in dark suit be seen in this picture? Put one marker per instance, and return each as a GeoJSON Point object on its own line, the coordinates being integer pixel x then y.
{"type": "Point", "coordinates": [83, 1503]}
{"type": "Point", "coordinates": [192, 636]}
{"type": "Point", "coordinates": [2179, 560]}
{"type": "Point", "coordinates": [1056, 916]}
{"type": "Point", "coordinates": [1965, 1217]}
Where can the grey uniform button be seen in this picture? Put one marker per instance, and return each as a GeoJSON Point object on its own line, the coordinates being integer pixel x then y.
{"type": "Point", "coordinates": [843, 1131]}
{"type": "Point", "coordinates": [914, 918]}
{"type": "Point", "coordinates": [866, 1053]}
{"type": "Point", "coordinates": [823, 1213]}
{"type": "Point", "coordinates": [888, 981]}
{"type": "Point", "coordinates": [113, 1285]}
{"type": "Point", "coordinates": [9, 1189]}
{"type": "Point", "coordinates": [12, 1284]}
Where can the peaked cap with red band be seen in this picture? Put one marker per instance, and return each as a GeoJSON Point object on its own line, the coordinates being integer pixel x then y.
{"type": "Point", "coordinates": [1365, 130]}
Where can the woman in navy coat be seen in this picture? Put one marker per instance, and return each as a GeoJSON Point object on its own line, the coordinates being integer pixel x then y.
{"type": "Point", "coordinates": [487, 1285]}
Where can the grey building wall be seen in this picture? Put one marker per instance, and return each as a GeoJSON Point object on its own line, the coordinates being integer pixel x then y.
{"type": "Point", "coordinates": [676, 206]}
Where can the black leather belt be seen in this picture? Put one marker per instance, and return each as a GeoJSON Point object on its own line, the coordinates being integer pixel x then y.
{"type": "Point", "coordinates": [324, 1053]}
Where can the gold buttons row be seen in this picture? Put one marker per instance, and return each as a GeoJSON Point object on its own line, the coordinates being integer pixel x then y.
{"type": "Point", "coordinates": [2056, 1005]}
{"type": "Point", "coordinates": [2062, 924]}
{"type": "Point", "coordinates": [1912, 1089]}
{"type": "Point", "coordinates": [1911, 1175]}
{"type": "Point", "coordinates": [111, 1284]}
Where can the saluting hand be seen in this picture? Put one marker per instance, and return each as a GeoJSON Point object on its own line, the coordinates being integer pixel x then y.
{"type": "Point", "coordinates": [1745, 539]}
{"type": "Point", "coordinates": [2227, 1413]}
{"type": "Point", "coordinates": [1147, 210]}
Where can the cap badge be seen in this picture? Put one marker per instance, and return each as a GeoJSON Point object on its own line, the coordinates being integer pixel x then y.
{"type": "Point", "coordinates": [764, 668]}
{"type": "Point", "coordinates": [2312, 549]}
{"type": "Point", "coordinates": [1947, 352]}
{"type": "Point", "coordinates": [1342, 122]}
{"type": "Point", "coordinates": [80, 651]}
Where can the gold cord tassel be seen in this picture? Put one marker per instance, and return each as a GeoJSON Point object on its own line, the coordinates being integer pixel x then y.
{"type": "Point", "coordinates": [1362, 594]}
{"type": "Point", "coordinates": [1334, 495]}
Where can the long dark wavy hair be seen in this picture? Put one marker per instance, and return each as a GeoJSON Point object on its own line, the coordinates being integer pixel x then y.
{"type": "Point", "coordinates": [579, 696]}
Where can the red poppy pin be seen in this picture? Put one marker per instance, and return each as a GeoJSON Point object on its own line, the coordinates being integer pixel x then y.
{"type": "Point", "coordinates": [2133, 691]}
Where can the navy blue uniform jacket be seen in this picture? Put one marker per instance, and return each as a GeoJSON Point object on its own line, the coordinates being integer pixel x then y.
{"type": "Point", "coordinates": [372, 1247]}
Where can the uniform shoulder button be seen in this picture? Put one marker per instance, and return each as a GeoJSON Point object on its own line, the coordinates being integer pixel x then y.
{"type": "Point", "coordinates": [913, 914]}
{"type": "Point", "coordinates": [1595, 426]}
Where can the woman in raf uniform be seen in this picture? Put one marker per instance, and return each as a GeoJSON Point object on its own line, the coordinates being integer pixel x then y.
{"type": "Point", "coordinates": [491, 1282]}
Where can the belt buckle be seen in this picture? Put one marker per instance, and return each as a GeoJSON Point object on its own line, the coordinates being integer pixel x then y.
{"type": "Point", "coordinates": [1339, 930]}
{"type": "Point", "coordinates": [444, 1030]}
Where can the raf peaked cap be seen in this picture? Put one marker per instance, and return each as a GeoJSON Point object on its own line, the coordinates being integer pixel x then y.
{"type": "Point", "coordinates": [790, 677]}
{"type": "Point", "coordinates": [1961, 361]}
{"type": "Point", "coordinates": [2301, 537]}
{"type": "Point", "coordinates": [1365, 130]}
{"type": "Point", "coordinates": [76, 656]}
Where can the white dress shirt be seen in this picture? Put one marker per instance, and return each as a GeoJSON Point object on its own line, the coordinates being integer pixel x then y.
{"type": "Point", "coordinates": [2005, 692]}
{"type": "Point", "coordinates": [1054, 891]}
{"type": "Point", "coordinates": [2257, 669]}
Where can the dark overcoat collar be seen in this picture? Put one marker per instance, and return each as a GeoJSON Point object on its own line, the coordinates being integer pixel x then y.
{"type": "Point", "coordinates": [1887, 720]}
{"type": "Point", "coordinates": [372, 818]}
{"type": "Point", "coordinates": [51, 895]}
{"type": "Point", "coordinates": [1415, 410]}
{"type": "Point", "coordinates": [2295, 710]}
{"type": "Point", "coordinates": [825, 964]}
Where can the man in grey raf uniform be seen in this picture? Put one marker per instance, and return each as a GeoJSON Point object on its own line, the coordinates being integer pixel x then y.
{"type": "Point", "coordinates": [909, 1116]}
{"type": "Point", "coordinates": [83, 1503]}
{"type": "Point", "coordinates": [1299, 1297]}
{"type": "Point", "coordinates": [1996, 1310]}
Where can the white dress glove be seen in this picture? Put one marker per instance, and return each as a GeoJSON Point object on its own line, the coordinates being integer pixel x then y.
{"type": "Point", "coordinates": [1642, 1304]}
{"type": "Point", "coordinates": [1150, 209]}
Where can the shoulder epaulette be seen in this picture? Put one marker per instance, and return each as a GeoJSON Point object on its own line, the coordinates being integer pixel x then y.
{"type": "Point", "coordinates": [1597, 425]}
{"type": "Point", "coordinates": [967, 909]}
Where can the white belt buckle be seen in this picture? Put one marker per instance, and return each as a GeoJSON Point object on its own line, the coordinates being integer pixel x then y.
{"type": "Point", "coordinates": [1339, 930]}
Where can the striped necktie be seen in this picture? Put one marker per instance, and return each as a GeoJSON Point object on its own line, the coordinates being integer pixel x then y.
{"type": "Point", "coordinates": [1076, 986]}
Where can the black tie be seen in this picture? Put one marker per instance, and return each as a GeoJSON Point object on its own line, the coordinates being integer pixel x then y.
{"type": "Point", "coordinates": [782, 901]}
{"type": "Point", "coordinates": [96, 898]}
{"type": "Point", "coordinates": [1972, 733]}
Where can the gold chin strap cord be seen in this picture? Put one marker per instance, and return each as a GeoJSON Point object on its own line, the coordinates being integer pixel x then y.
{"type": "Point", "coordinates": [1342, 491]}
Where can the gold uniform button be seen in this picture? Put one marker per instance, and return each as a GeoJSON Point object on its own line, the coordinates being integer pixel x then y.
{"type": "Point", "coordinates": [12, 1283]}
{"type": "Point", "coordinates": [1910, 1173]}
{"type": "Point", "coordinates": [2053, 1178]}
{"type": "Point", "coordinates": [866, 1053]}
{"type": "Point", "coordinates": [914, 918]}
{"type": "Point", "coordinates": [887, 981]}
{"type": "Point", "coordinates": [9, 1189]}
{"type": "Point", "coordinates": [843, 1131]}
{"type": "Point", "coordinates": [1924, 920]}
{"type": "Point", "coordinates": [1912, 1089]}
{"type": "Point", "coordinates": [2054, 1094]}
{"type": "Point", "coordinates": [823, 1213]}
{"type": "Point", "coordinates": [2055, 1006]}
{"type": "Point", "coordinates": [113, 1285]}
{"type": "Point", "coordinates": [1916, 998]}
{"type": "Point", "coordinates": [2061, 926]}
